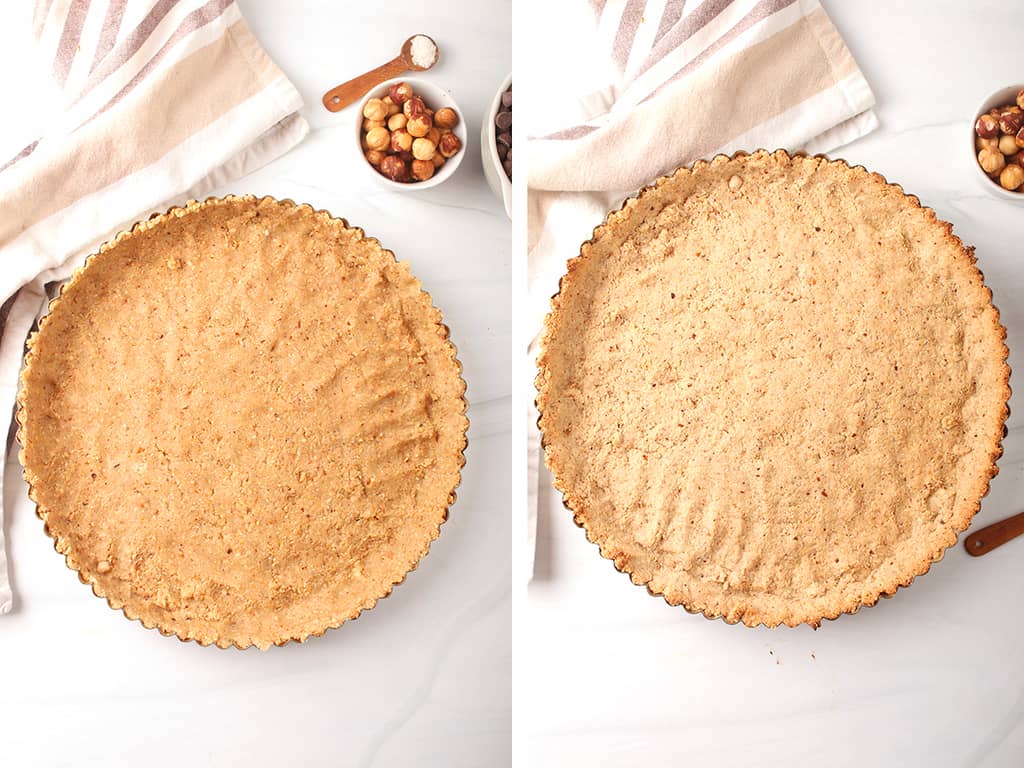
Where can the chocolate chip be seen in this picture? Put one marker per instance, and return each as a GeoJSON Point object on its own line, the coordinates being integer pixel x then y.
{"type": "Point", "coordinates": [503, 139]}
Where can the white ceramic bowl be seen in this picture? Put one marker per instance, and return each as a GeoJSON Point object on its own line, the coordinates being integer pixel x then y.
{"type": "Point", "coordinates": [434, 97]}
{"type": "Point", "coordinates": [998, 99]}
{"type": "Point", "coordinates": [495, 173]}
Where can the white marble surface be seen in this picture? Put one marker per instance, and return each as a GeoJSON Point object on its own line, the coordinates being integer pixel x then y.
{"type": "Point", "coordinates": [932, 677]}
{"type": "Point", "coordinates": [425, 678]}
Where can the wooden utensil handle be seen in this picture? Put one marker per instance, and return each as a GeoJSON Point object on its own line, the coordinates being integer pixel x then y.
{"type": "Point", "coordinates": [342, 95]}
{"type": "Point", "coordinates": [995, 535]}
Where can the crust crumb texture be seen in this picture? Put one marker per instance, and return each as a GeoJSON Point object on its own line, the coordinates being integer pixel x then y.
{"type": "Point", "coordinates": [242, 422]}
{"type": "Point", "coordinates": [776, 399]}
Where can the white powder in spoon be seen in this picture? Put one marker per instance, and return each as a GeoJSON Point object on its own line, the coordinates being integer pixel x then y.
{"type": "Point", "coordinates": [424, 52]}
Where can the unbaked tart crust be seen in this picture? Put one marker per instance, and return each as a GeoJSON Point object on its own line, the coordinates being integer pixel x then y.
{"type": "Point", "coordinates": [242, 422]}
{"type": "Point", "coordinates": [773, 388]}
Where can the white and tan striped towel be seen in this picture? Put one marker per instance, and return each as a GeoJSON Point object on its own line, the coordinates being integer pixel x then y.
{"type": "Point", "coordinates": [163, 100]}
{"type": "Point", "coordinates": [700, 78]}
{"type": "Point", "coordinates": [689, 79]}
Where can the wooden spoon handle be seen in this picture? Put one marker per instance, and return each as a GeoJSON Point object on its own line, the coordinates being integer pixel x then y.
{"type": "Point", "coordinates": [342, 95]}
{"type": "Point", "coordinates": [995, 535]}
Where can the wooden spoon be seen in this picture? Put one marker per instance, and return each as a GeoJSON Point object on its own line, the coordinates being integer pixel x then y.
{"type": "Point", "coordinates": [995, 535]}
{"type": "Point", "coordinates": [342, 95]}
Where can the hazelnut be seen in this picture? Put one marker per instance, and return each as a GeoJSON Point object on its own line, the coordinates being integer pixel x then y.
{"type": "Point", "coordinates": [394, 168]}
{"type": "Point", "coordinates": [413, 106]}
{"type": "Point", "coordinates": [446, 117]}
{"type": "Point", "coordinates": [374, 157]}
{"type": "Point", "coordinates": [980, 143]}
{"type": "Point", "coordinates": [378, 138]}
{"type": "Point", "coordinates": [1010, 122]}
{"type": "Point", "coordinates": [419, 125]}
{"type": "Point", "coordinates": [375, 109]}
{"type": "Point", "coordinates": [397, 121]}
{"type": "Point", "coordinates": [407, 157]}
{"type": "Point", "coordinates": [434, 134]}
{"type": "Point", "coordinates": [987, 127]}
{"type": "Point", "coordinates": [401, 140]}
{"type": "Point", "coordinates": [1020, 98]}
{"type": "Point", "coordinates": [1019, 138]}
{"type": "Point", "coordinates": [400, 93]}
{"type": "Point", "coordinates": [388, 101]}
{"type": "Point", "coordinates": [1011, 177]}
{"type": "Point", "coordinates": [422, 169]}
{"type": "Point", "coordinates": [423, 149]}
{"type": "Point", "coordinates": [369, 125]}
{"type": "Point", "coordinates": [1015, 159]}
{"type": "Point", "coordinates": [438, 160]}
{"type": "Point", "coordinates": [991, 160]}
{"type": "Point", "coordinates": [1008, 144]}
{"type": "Point", "coordinates": [449, 144]}
{"type": "Point", "coordinates": [394, 109]}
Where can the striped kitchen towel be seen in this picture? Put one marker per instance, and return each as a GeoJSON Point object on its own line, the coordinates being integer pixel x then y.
{"type": "Point", "coordinates": [689, 79]}
{"type": "Point", "coordinates": [163, 100]}
{"type": "Point", "coordinates": [700, 77]}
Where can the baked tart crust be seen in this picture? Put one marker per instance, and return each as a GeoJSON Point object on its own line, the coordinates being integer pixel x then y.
{"type": "Point", "coordinates": [773, 388]}
{"type": "Point", "coordinates": [242, 422]}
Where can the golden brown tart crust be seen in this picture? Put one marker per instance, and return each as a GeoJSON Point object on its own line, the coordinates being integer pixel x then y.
{"type": "Point", "coordinates": [242, 422]}
{"type": "Point", "coordinates": [773, 388]}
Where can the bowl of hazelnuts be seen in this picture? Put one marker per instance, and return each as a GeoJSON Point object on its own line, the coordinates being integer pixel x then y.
{"type": "Point", "coordinates": [410, 134]}
{"type": "Point", "coordinates": [998, 138]}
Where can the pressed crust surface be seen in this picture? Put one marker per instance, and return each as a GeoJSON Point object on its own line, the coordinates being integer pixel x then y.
{"type": "Point", "coordinates": [242, 422]}
{"type": "Point", "coordinates": [773, 389]}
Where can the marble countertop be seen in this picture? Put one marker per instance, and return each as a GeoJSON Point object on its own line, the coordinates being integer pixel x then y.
{"type": "Point", "coordinates": [932, 677]}
{"type": "Point", "coordinates": [425, 678]}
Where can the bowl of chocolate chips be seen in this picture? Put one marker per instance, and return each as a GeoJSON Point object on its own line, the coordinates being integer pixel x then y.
{"type": "Point", "coordinates": [496, 145]}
